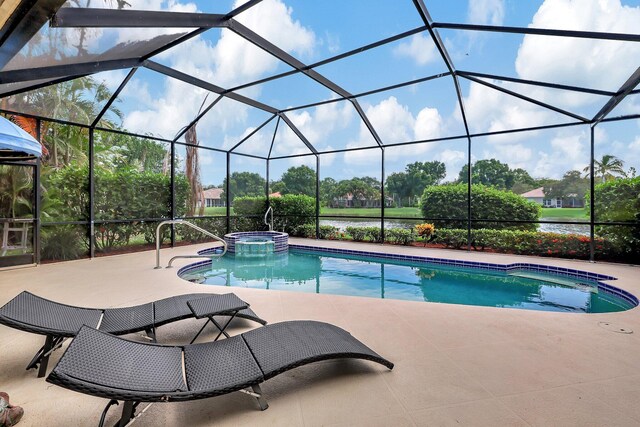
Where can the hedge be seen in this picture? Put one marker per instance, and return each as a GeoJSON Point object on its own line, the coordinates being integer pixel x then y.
{"type": "Point", "coordinates": [449, 202]}
{"type": "Point", "coordinates": [327, 232]}
{"type": "Point", "coordinates": [619, 200]}
{"type": "Point", "coordinates": [524, 242]}
{"type": "Point", "coordinates": [291, 213]}
{"type": "Point", "coordinates": [118, 195]}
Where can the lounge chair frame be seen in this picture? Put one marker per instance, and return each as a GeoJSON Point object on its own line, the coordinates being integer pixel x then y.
{"type": "Point", "coordinates": [31, 313]}
{"type": "Point", "coordinates": [103, 365]}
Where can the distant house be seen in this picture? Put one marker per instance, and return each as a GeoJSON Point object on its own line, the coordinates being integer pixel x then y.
{"type": "Point", "coordinates": [569, 201]}
{"type": "Point", "coordinates": [349, 201]}
{"type": "Point", "coordinates": [536, 196]}
{"type": "Point", "coordinates": [276, 194]}
{"type": "Point", "coordinates": [213, 198]}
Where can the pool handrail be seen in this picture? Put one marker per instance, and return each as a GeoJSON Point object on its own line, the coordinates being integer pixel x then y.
{"type": "Point", "coordinates": [195, 227]}
{"type": "Point", "coordinates": [270, 224]}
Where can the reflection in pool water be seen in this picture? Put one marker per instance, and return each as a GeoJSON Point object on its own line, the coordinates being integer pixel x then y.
{"type": "Point", "coordinates": [308, 271]}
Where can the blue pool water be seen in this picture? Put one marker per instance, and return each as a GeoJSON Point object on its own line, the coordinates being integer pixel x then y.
{"type": "Point", "coordinates": [348, 274]}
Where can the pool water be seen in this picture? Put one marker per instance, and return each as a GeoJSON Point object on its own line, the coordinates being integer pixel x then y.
{"type": "Point", "coordinates": [342, 274]}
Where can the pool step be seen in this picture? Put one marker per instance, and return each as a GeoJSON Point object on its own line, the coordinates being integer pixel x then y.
{"type": "Point", "coordinates": [557, 280]}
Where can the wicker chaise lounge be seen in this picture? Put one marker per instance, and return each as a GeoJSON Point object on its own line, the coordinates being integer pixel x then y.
{"type": "Point", "coordinates": [100, 364]}
{"type": "Point", "coordinates": [31, 313]}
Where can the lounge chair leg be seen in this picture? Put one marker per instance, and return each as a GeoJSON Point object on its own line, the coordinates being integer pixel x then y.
{"type": "Point", "coordinates": [261, 400]}
{"type": "Point", "coordinates": [128, 412]}
{"type": "Point", "coordinates": [42, 357]}
{"type": "Point", "coordinates": [151, 333]}
{"type": "Point", "coordinates": [200, 331]}
{"type": "Point", "coordinates": [106, 409]}
{"type": "Point", "coordinates": [36, 358]}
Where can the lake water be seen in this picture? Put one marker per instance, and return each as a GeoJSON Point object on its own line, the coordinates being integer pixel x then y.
{"type": "Point", "coordinates": [577, 228]}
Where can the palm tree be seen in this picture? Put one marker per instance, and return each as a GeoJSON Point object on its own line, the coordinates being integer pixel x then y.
{"type": "Point", "coordinates": [16, 190]}
{"type": "Point", "coordinates": [606, 168]}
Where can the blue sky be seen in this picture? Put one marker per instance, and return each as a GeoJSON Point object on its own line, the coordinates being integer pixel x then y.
{"type": "Point", "coordinates": [313, 31]}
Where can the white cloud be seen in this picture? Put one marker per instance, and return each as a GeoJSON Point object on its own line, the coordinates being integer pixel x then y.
{"type": "Point", "coordinates": [420, 48]}
{"type": "Point", "coordinates": [486, 12]}
{"type": "Point", "coordinates": [453, 159]}
{"type": "Point", "coordinates": [590, 63]}
{"type": "Point", "coordinates": [318, 125]}
{"type": "Point", "coordinates": [394, 123]}
{"type": "Point", "coordinates": [516, 155]}
{"type": "Point", "coordinates": [489, 110]}
{"type": "Point", "coordinates": [332, 41]}
{"type": "Point", "coordinates": [568, 151]}
{"type": "Point", "coordinates": [428, 124]}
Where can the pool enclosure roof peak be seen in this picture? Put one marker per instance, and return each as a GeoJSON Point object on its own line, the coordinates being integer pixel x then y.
{"type": "Point", "coordinates": [129, 52]}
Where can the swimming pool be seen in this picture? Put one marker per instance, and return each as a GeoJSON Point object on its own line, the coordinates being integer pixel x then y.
{"type": "Point", "coordinates": [330, 271]}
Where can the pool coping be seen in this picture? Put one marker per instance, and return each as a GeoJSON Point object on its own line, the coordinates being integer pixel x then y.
{"type": "Point", "coordinates": [500, 267]}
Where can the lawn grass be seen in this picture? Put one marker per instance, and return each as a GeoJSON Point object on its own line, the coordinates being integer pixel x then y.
{"type": "Point", "coordinates": [566, 213]}
{"type": "Point", "coordinates": [401, 212]}
{"type": "Point", "coordinates": [217, 211]}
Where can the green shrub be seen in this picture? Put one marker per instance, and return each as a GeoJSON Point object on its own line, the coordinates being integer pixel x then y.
{"type": "Point", "coordinates": [399, 236]}
{"type": "Point", "coordinates": [63, 242]}
{"type": "Point", "coordinates": [358, 234]}
{"type": "Point", "coordinates": [373, 234]}
{"type": "Point", "coordinates": [619, 200]}
{"type": "Point", "coordinates": [249, 213]}
{"type": "Point", "coordinates": [450, 203]}
{"type": "Point", "coordinates": [524, 242]}
{"type": "Point", "coordinates": [217, 226]}
{"type": "Point", "coordinates": [327, 232]}
{"type": "Point", "coordinates": [451, 238]}
{"type": "Point", "coordinates": [247, 205]}
{"type": "Point", "coordinates": [362, 234]}
{"type": "Point", "coordinates": [291, 212]}
{"type": "Point", "coordinates": [120, 194]}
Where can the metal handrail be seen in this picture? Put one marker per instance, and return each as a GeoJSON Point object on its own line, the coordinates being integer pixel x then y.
{"type": "Point", "coordinates": [195, 227]}
{"type": "Point", "coordinates": [265, 218]}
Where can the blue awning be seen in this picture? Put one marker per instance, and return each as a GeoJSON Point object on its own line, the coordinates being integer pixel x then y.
{"type": "Point", "coordinates": [16, 143]}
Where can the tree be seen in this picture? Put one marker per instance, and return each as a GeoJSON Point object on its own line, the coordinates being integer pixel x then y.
{"type": "Point", "coordinates": [244, 184]}
{"type": "Point", "coordinates": [327, 190]}
{"type": "Point", "coordinates": [79, 100]}
{"type": "Point", "coordinates": [489, 172]}
{"type": "Point", "coordinates": [522, 181]}
{"type": "Point", "coordinates": [361, 190]}
{"type": "Point", "coordinates": [572, 185]}
{"type": "Point", "coordinates": [114, 150]}
{"type": "Point", "coordinates": [298, 180]}
{"type": "Point", "coordinates": [370, 181]}
{"type": "Point", "coordinates": [606, 168]}
{"type": "Point", "coordinates": [195, 200]}
{"type": "Point", "coordinates": [416, 177]}
{"type": "Point", "coordinates": [398, 185]}
{"type": "Point", "coordinates": [16, 191]}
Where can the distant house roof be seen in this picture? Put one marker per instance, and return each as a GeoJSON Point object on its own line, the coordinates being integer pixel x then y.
{"type": "Point", "coordinates": [212, 193]}
{"type": "Point", "coordinates": [276, 194]}
{"type": "Point", "coordinates": [538, 192]}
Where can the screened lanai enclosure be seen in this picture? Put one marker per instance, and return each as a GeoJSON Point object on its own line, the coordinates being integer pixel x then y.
{"type": "Point", "coordinates": [513, 128]}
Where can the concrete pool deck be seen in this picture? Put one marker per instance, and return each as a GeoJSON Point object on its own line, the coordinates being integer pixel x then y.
{"type": "Point", "coordinates": [455, 364]}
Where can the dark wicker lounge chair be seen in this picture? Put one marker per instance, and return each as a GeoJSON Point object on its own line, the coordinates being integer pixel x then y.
{"type": "Point", "coordinates": [31, 313]}
{"type": "Point", "coordinates": [100, 364]}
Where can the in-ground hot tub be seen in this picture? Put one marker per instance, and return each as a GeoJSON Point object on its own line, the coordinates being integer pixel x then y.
{"type": "Point", "coordinates": [257, 242]}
